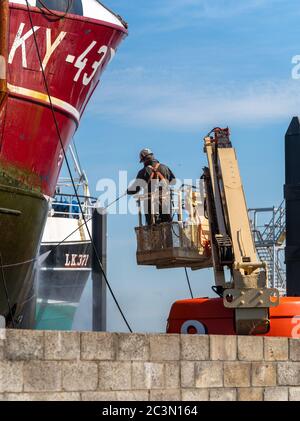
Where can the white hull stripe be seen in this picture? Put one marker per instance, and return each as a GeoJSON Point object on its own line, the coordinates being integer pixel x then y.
{"type": "Point", "coordinates": [41, 97]}
{"type": "Point", "coordinates": [69, 269]}
{"type": "Point", "coordinates": [65, 303]}
{"type": "Point", "coordinates": [65, 243]}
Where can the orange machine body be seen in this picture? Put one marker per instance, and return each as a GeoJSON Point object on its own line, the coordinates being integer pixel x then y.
{"type": "Point", "coordinates": [208, 315]}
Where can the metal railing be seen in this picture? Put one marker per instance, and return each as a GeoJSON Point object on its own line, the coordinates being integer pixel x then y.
{"type": "Point", "coordinates": [273, 231]}
{"type": "Point", "coordinates": [269, 238]}
{"type": "Point", "coordinates": [66, 206]}
{"type": "Point", "coordinates": [181, 204]}
{"type": "Point", "coordinates": [181, 237]}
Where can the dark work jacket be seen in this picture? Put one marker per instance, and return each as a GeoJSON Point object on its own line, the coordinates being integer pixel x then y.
{"type": "Point", "coordinates": [145, 174]}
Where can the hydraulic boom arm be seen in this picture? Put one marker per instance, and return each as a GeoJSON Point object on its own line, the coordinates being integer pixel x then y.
{"type": "Point", "coordinates": [231, 239]}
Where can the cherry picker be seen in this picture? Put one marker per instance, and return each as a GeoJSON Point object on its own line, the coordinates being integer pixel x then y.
{"type": "Point", "coordinates": [217, 234]}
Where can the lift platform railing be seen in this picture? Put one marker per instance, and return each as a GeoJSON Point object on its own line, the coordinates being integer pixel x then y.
{"type": "Point", "coordinates": [183, 241]}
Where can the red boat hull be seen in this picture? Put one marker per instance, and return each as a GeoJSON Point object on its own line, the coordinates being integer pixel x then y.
{"type": "Point", "coordinates": [73, 51]}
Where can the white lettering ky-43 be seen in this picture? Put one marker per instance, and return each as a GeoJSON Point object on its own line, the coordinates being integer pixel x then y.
{"type": "Point", "coordinates": [81, 63]}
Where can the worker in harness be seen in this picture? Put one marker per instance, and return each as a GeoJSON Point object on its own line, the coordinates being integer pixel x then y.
{"type": "Point", "coordinates": [154, 177]}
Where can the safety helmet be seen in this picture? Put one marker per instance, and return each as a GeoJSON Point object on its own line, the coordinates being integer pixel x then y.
{"type": "Point", "coordinates": [144, 153]}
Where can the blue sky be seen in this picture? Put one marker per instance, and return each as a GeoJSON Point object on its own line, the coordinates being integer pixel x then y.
{"type": "Point", "coordinates": [187, 66]}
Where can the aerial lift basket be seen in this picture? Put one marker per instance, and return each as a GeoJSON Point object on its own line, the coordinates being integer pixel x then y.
{"type": "Point", "coordinates": [180, 243]}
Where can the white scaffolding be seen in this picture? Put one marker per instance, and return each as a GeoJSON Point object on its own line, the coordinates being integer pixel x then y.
{"type": "Point", "coordinates": [269, 232]}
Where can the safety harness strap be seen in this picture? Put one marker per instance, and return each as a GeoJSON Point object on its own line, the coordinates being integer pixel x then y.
{"type": "Point", "coordinates": [155, 173]}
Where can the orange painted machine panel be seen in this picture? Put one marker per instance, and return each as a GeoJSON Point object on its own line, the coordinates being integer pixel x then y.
{"type": "Point", "coordinates": [208, 315]}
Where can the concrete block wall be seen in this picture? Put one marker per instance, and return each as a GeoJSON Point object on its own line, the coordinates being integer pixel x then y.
{"type": "Point", "coordinates": [36, 365]}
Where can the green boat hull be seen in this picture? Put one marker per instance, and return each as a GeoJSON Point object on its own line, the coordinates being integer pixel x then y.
{"type": "Point", "coordinates": [22, 218]}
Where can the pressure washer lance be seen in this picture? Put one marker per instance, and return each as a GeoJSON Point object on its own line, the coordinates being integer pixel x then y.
{"type": "Point", "coordinates": [112, 203]}
{"type": "Point", "coordinates": [42, 257]}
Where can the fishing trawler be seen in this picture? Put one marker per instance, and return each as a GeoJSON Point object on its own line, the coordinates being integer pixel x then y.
{"type": "Point", "coordinates": [52, 53]}
{"type": "Point", "coordinates": [67, 247]}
